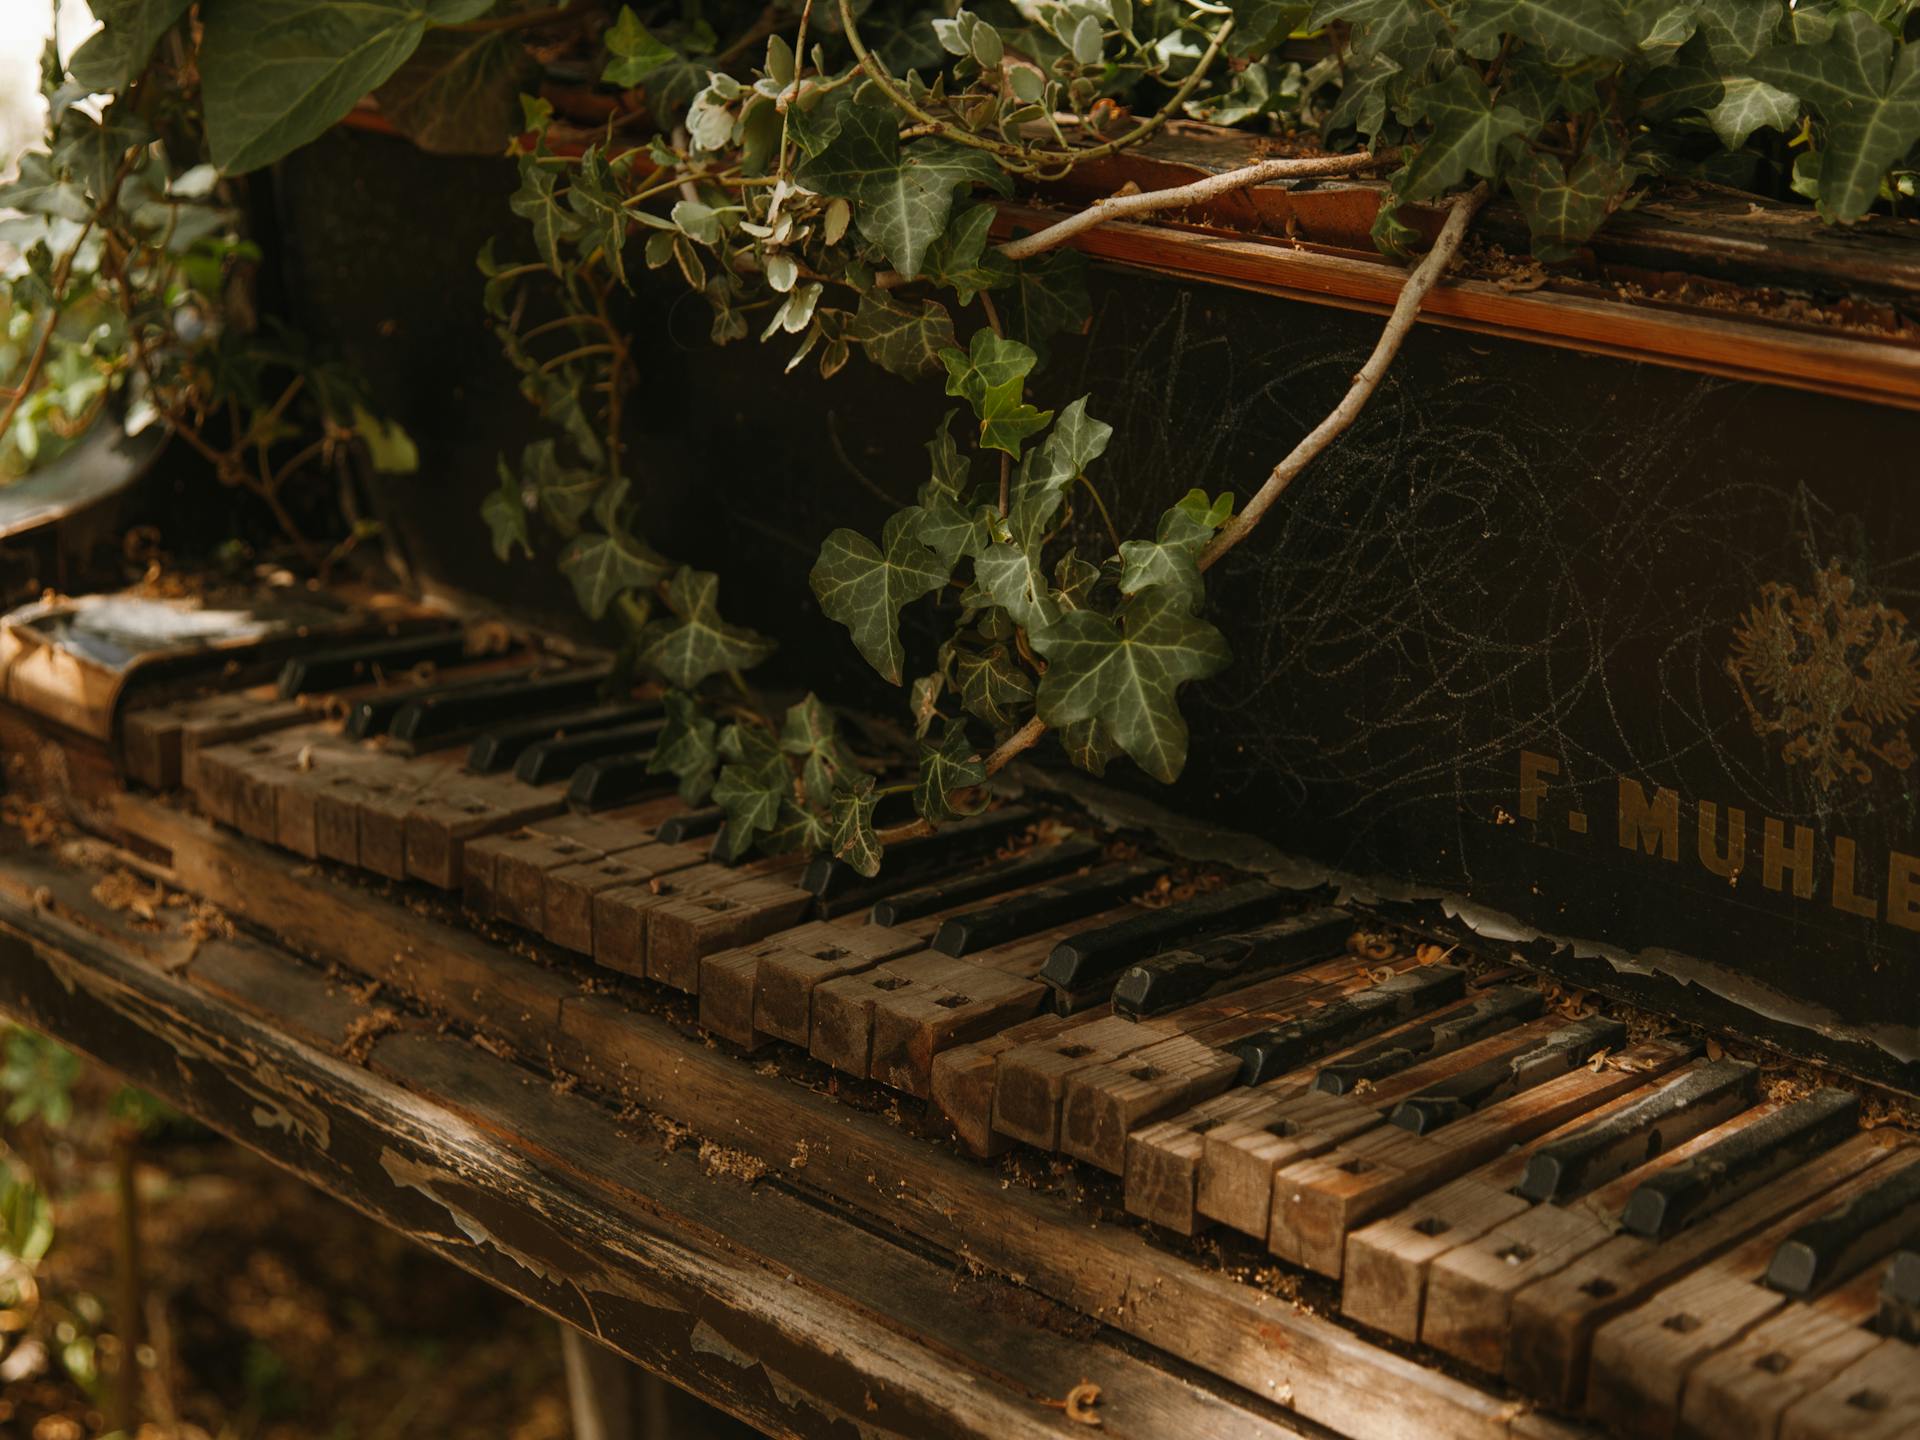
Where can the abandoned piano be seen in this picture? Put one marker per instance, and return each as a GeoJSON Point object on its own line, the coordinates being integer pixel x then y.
{"type": "Point", "coordinates": [1507, 1028]}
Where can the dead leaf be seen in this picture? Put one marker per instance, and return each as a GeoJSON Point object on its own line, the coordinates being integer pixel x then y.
{"type": "Point", "coordinates": [1079, 1404]}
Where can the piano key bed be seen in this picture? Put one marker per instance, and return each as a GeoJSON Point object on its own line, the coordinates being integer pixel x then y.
{"type": "Point", "coordinates": [1515, 1213]}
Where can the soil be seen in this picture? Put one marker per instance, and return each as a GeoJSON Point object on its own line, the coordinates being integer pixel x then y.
{"type": "Point", "coordinates": [275, 1312]}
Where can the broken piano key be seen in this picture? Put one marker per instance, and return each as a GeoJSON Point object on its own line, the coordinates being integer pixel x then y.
{"type": "Point", "coordinates": [1825, 1251]}
{"type": "Point", "coordinates": [440, 719]}
{"type": "Point", "coordinates": [1274, 1052]}
{"type": "Point", "coordinates": [839, 889]}
{"type": "Point", "coordinates": [339, 667]}
{"type": "Point", "coordinates": [1179, 977]}
{"type": "Point", "coordinates": [1045, 862]}
{"type": "Point", "coordinates": [1562, 1051]}
{"type": "Point", "coordinates": [548, 761]}
{"type": "Point", "coordinates": [499, 746]}
{"type": "Point", "coordinates": [1046, 907]}
{"type": "Point", "coordinates": [1486, 1014]}
{"type": "Point", "coordinates": [1087, 965]}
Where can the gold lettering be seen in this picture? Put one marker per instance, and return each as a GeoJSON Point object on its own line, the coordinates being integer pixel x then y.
{"type": "Point", "coordinates": [1843, 895]}
{"type": "Point", "coordinates": [1654, 827]}
{"type": "Point", "coordinates": [1774, 857]}
{"type": "Point", "coordinates": [1903, 890]}
{"type": "Point", "coordinates": [1533, 785]}
{"type": "Point", "coordinates": [1734, 861]}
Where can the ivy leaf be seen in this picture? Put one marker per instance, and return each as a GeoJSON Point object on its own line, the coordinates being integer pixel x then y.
{"type": "Point", "coordinates": [1467, 130]}
{"type": "Point", "coordinates": [946, 769]}
{"type": "Point", "coordinates": [864, 587]}
{"type": "Point", "coordinates": [1869, 97]}
{"type": "Point", "coordinates": [563, 493]}
{"type": "Point", "coordinates": [1259, 25]}
{"type": "Point", "coordinates": [639, 58]}
{"type": "Point", "coordinates": [990, 377]}
{"type": "Point", "coordinates": [951, 473]}
{"type": "Point", "coordinates": [538, 203]}
{"type": "Point", "coordinates": [798, 828]}
{"type": "Point", "coordinates": [129, 29]}
{"type": "Point", "coordinates": [1564, 207]}
{"type": "Point", "coordinates": [949, 529]}
{"type": "Point", "coordinates": [1075, 442]}
{"type": "Point", "coordinates": [603, 567]}
{"type": "Point", "coordinates": [505, 511]}
{"type": "Point", "coordinates": [277, 73]}
{"type": "Point", "coordinates": [1734, 30]}
{"type": "Point", "coordinates": [595, 197]}
{"type": "Point", "coordinates": [811, 733]}
{"type": "Point", "coordinates": [993, 686]}
{"type": "Point", "coordinates": [1074, 580]}
{"type": "Point", "coordinates": [902, 196]}
{"type": "Point", "coordinates": [1126, 675]}
{"type": "Point", "coordinates": [753, 785]}
{"type": "Point", "coordinates": [1567, 28]}
{"type": "Point", "coordinates": [903, 337]}
{"type": "Point", "coordinates": [853, 837]}
{"type": "Point", "coordinates": [38, 189]}
{"type": "Point", "coordinates": [1047, 297]}
{"type": "Point", "coordinates": [389, 447]}
{"type": "Point", "coordinates": [1088, 746]}
{"type": "Point", "coordinates": [959, 258]}
{"type": "Point", "coordinates": [924, 702]}
{"type": "Point", "coordinates": [686, 747]}
{"type": "Point", "coordinates": [1171, 558]}
{"type": "Point", "coordinates": [702, 644]}
{"type": "Point", "coordinates": [1747, 105]}
{"type": "Point", "coordinates": [459, 92]}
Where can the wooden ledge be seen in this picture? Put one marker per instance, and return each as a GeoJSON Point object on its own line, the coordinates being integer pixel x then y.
{"type": "Point", "coordinates": [557, 1167]}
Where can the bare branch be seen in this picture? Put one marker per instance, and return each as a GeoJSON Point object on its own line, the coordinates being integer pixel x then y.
{"type": "Point", "coordinates": [1025, 738]}
{"type": "Point", "coordinates": [1146, 202]}
{"type": "Point", "coordinates": [1413, 293]}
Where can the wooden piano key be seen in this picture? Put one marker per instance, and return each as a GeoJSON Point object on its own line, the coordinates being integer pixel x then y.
{"type": "Point", "coordinates": [1163, 1158]}
{"type": "Point", "coordinates": [336, 818]}
{"type": "Point", "coordinates": [1318, 1202]}
{"type": "Point", "coordinates": [845, 1010]}
{"type": "Point", "coordinates": [1834, 1245]}
{"type": "Point", "coordinates": [568, 891]}
{"type": "Point", "coordinates": [737, 910]}
{"type": "Point", "coordinates": [911, 1029]}
{"type": "Point", "coordinates": [1234, 1181]}
{"type": "Point", "coordinates": [1743, 1388]}
{"type": "Point", "coordinates": [1473, 1090]}
{"type": "Point", "coordinates": [1470, 1288]}
{"type": "Point", "coordinates": [1900, 1298]}
{"type": "Point", "coordinates": [961, 845]}
{"type": "Point", "coordinates": [340, 667]}
{"type": "Point", "coordinates": [1554, 1319]}
{"type": "Point", "coordinates": [1278, 1049]}
{"type": "Point", "coordinates": [1640, 1360]}
{"type": "Point", "coordinates": [688, 825]}
{"type": "Point", "coordinates": [986, 879]}
{"type": "Point", "coordinates": [789, 967]}
{"type": "Point", "coordinates": [506, 875]}
{"type": "Point", "coordinates": [156, 740]}
{"type": "Point", "coordinates": [373, 713]}
{"type": "Point", "coordinates": [435, 720]}
{"type": "Point", "coordinates": [316, 790]}
{"type": "Point", "coordinates": [1676, 1197]}
{"type": "Point", "coordinates": [962, 1084]}
{"type": "Point", "coordinates": [557, 758]}
{"type": "Point", "coordinates": [615, 781]}
{"type": "Point", "coordinates": [385, 802]}
{"type": "Point", "coordinates": [441, 824]}
{"type": "Point", "coordinates": [1489, 1012]}
{"type": "Point", "coordinates": [1030, 1080]}
{"type": "Point", "coordinates": [1046, 907]}
{"type": "Point", "coordinates": [499, 746]}
{"type": "Point", "coordinates": [1091, 961]}
{"type": "Point", "coordinates": [1877, 1397]}
{"type": "Point", "coordinates": [1226, 962]}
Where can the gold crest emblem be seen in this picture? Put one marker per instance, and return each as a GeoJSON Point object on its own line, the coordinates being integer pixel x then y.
{"type": "Point", "coordinates": [1834, 677]}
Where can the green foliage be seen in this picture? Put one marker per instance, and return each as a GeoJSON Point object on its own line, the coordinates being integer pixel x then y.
{"type": "Point", "coordinates": [37, 1076]}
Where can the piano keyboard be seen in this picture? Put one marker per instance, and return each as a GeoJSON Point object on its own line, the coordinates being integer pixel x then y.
{"type": "Point", "coordinates": [1613, 1226]}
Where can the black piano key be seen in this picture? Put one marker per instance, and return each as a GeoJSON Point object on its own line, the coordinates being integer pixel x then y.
{"type": "Point", "coordinates": [1900, 1298]}
{"type": "Point", "coordinates": [1228, 962]}
{"type": "Point", "coordinates": [439, 717]}
{"type": "Point", "coordinates": [1742, 1162]}
{"type": "Point", "coordinates": [1488, 1013]}
{"type": "Point", "coordinates": [338, 667]}
{"type": "Point", "coordinates": [1345, 1021]}
{"type": "Point", "coordinates": [545, 761]}
{"type": "Point", "coordinates": [693, 825]}
{"type": "Point", "coordinates": [1461, 1095]}
{"type": "Point", "coordinates": [1043, 862]}
{"type": "Point", "coordinates": [615, 781]}
{"type": "Point", "coordinates": [373, 715]}
{"type": "Point", "coordinates": [1042, 909]}
{"type": "Point", "coordinates": [1840, 1243]}
{"type": "Point", "coordinates": [1095, 958]}
{"type": "Point", "coordinates": [498, 746]}
{"type": "Point", "coordinates": [841, 890]}
{"type": "Point", "coordinates": [1630, 1137]}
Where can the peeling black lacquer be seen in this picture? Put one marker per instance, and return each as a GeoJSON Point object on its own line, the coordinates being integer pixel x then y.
{"type": "Point", "coordinates": [1089, 962]}
{"type": "Point", "coordinates": [1047, 906]}
{"type": "Point", "coordinates": [1275, 1051]}
{"type": "Point", "coordinates": [498, 747]}
{"type": "Point", "coordinates": [1227, 962]}
{"type": "Point", "coordinates": [1459, 1096]}
{"type": "Point", "coordinates": [1674, 1198]}
{"type": "Point", "coordinates": [1488, 1013]}
{"type": "Point", "coordinates": [1834, 1247]}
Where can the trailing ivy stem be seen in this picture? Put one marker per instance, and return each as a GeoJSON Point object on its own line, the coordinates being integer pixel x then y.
{"type": "Point", "coordinates": [1033, 159]}
{"type": "Point", "coordinates": [1121, 207]}
{"type": "Point", "coordinates": [1025, 738]}
{"type": "Point", "coordinates": [1419, 284]}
